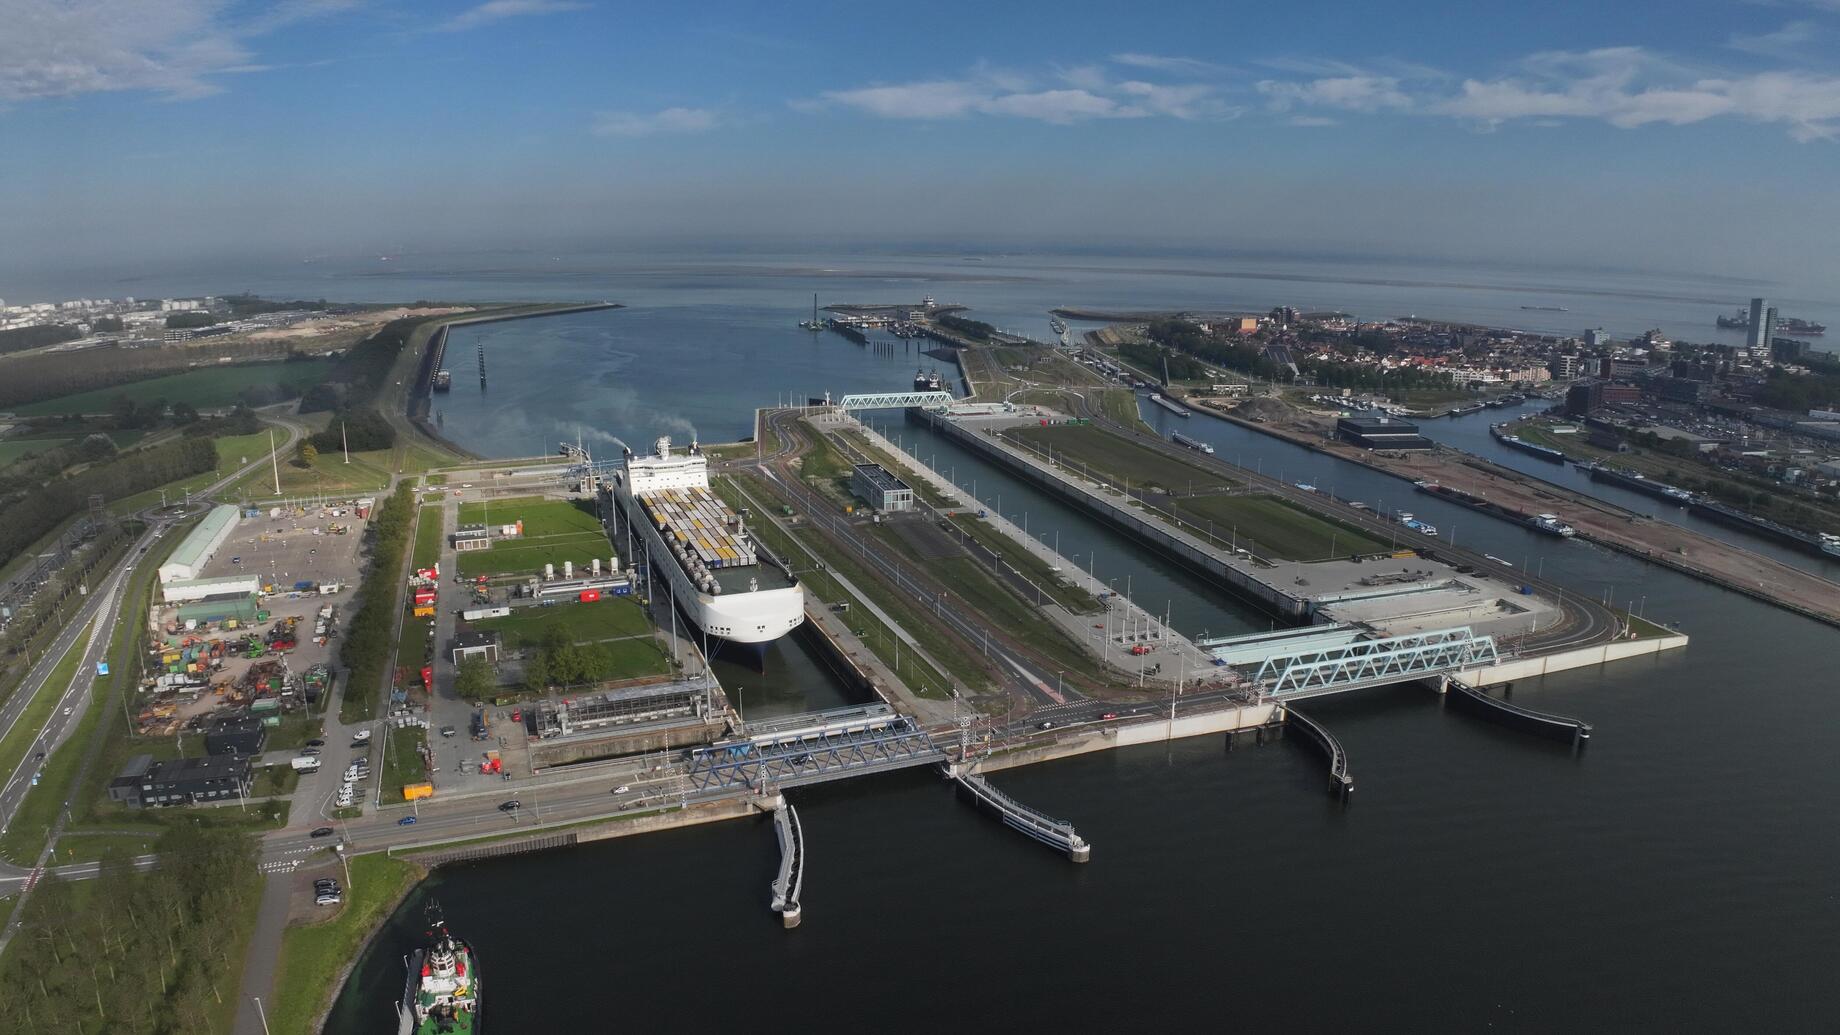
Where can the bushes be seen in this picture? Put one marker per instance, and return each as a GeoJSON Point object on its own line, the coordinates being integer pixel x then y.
{"type": "Point", "coordinates": [371, 638]}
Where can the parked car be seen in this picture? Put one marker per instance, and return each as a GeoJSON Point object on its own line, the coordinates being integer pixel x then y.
{"type": "Point", "coordinates": [321, 832]}
{"type": "Point", "coordinates": [327, 900]}
{"type": "Point", "coordinates": [316, 743]}
{"type": "Point", "coordinates": [447, 731]}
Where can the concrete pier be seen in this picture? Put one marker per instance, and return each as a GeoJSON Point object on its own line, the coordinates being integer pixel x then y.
{"type": "Point", "coordinates": [1541, 724]}
{"type": "Point", "coordinates": [791, 879]}
{"type": "Point", "coordinates": [1341, 781]}
{"type": "Point", "coordinates": [1052, 832]}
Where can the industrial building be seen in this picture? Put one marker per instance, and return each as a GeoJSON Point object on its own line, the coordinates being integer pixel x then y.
{"type": "Point", "coordinates": [472, 644]}
{"type": "Point", "coordinates": [182, 591]}
{"type": "Point", "coordinates": [189, 559]}
{"type": "Point", "coordinates": [472, 537]}
{"type": "Point", "coordinates": [218, 609]}
{"type": "Point", "coordinates": [874, 485]}
{"type": "Point", "coordinates": [235, 735]}
{"type": "Point", "coordinates": [1381, 433]}
{"type": "Point", "coordinates": [144, 783]}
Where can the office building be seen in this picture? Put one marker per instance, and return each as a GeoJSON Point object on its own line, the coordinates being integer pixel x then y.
{"type": "Point", "coordinates": [1755, 338]}
{"type": "Point", "coordinates": [880, 489]}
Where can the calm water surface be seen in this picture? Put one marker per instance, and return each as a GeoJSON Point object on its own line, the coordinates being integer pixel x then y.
{"type": "Point", "coordinates": [1676, 876]}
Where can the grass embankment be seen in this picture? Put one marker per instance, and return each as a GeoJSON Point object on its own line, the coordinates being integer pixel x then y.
{"type": "Point", "coordinates": [1272, 527]}
{"type": "Point", "coordinates": [1120, 404]}
{"type": "Point", "coordinates": [209, 388]}
{"type": "Point", "coordinates": [25, 731]}
{"type": "Point", "coordinates": [327, 474]}
{"type": "Point", "coordinates": [607, 619]}
{"type": "Point", "coordinates": [1102, 456]}
{"type": "Point", "coordinates": [802, 548]}
{"type": "Point", "coordinates": [314, 955]}
{"type": "Point", "coordinates": [555, 532]}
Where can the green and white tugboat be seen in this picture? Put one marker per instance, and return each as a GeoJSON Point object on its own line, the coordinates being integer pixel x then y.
{"type": "Point", "coordinates": [441, 994]}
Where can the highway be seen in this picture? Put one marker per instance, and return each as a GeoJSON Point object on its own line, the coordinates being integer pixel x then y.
{"type": "Point", "coordinates": [105, 607]}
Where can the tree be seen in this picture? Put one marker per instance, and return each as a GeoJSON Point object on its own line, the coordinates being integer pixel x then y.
{"type": "Point", "coordinates": [308, 453]}
{"type": "Point", "coordinates": [475, 679]}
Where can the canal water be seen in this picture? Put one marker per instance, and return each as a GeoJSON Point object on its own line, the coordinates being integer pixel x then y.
{"type": "Point", "coordinates": [1470, 433]}
{"type": "Point", "coordinates": [1675, 875]}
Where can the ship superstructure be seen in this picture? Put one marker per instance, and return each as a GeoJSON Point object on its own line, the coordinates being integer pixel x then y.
{"type": "Point", "coordinates": [442, 991]}
{"type": "Point", "coordinates": [722, 578]}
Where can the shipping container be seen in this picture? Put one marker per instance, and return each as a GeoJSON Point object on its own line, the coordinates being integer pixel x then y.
{"type": "Point", "coordinates": [423, 611]}
{"type": "Point", "coordinates": [588, 596]}
{"type": "Point", "coordinates": [477, 613]}
{"type": "Point", "coordinates": [413, 791]}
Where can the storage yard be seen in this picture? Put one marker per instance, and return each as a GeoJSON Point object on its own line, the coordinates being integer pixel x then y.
{"type": "Point", "coordinates": [251, 602]}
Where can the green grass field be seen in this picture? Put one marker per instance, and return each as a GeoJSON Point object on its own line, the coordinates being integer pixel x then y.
{"type": "Point", "coordinates": [367, 472]}
{"type": "Point", "coordinates": [606, 619]}
{"type": "Point", "coordinates": [428, 532]}
{"type": "Point", "coordinates": [313, 955]}
{"type": "Point", "coordinates": [402, 762]}
{"type": "Point", "coordinates": [13, 449]}
{"type": "Point", "coordinates": [541, 517]}
{"type": "Point", "coordinates": [233, 451]}
{"type": "Point", "coordinates": [1098, 453]}
{"type": "Point", "coordinates": [1272, 527]}
{"type": "Point", "coordinates": [206, 389]}
{"type": "Point", "coordinates": [628, 659]}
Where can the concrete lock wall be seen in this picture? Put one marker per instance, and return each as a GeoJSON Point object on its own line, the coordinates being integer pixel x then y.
{"type": "Point", "coordinates": [1582, 657]}
{"type": "Point", "coordinates": [1124, 516]}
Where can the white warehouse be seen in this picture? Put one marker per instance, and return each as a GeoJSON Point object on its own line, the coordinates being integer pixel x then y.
{"type": "Point", "coordinates": [189, 559]}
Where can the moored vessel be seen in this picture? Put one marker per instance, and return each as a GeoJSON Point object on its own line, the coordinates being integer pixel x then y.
{"type": "Point", "coordinates": [720, 576]}
{"type": "Point", "coordinates": [441, 994]}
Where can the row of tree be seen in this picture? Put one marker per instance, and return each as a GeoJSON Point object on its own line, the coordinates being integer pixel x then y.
{"type": "Point", "coordinates": [35, 511]}
{"type": "Point", "coordinates": [1801, 392]}
{"type": "Point", "coordinates": [17, 339]}
{"type": "Point", "coordinates": [28, 379]}
{"type": "Point", "coordinates": [372, 634]}
{"type": "Point", "coordinates": [157, 952]}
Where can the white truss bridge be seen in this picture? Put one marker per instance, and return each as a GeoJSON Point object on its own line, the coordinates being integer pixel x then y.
{"type": "Point", "coordinates": [894, 400]}
{"type": "Point", "coordinates": [1339, 667]}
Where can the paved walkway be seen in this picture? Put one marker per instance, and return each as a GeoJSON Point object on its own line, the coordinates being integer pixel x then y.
{"type": "Point", "coordinates": [263, 953]}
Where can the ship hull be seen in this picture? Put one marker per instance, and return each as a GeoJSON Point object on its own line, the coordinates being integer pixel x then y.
{"type": "Point", "coordinates": [742, 618]}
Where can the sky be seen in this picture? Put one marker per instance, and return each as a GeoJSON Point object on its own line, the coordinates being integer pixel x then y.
{"type": "Point", "coordinates": [1688, 135]}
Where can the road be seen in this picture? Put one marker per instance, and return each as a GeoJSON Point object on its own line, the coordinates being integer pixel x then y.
{"type": "Point", "coordinates": [105, 608]}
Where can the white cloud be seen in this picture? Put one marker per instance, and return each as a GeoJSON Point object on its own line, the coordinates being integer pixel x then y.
{"type": "Point", "coordinates": [1348, 93]}
{"type": "Point", "coordinates": [498, 10]}
{"type": "Point", "coordinates": [669, 120]}
{"type": "Point", "coordinates": [1173, 65]}
{"type": "Point", "coordinates": [1626, 87]}
{"type": "Point", "coordinates": [1789, 41]}
{"type": "Point", "coordinates": [1313, 120]}
{"type": "Point", "coordinates": [1088, 94]}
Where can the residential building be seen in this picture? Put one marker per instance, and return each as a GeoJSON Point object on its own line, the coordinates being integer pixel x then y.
{"type": "Point", "coordinates": [144, 783]}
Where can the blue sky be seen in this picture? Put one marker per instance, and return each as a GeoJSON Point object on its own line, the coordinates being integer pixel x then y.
{"type": "Point", "coordinates": [1691, 135]}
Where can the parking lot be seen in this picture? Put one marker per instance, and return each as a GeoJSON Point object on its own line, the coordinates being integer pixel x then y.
{"type": "Point", "coordinates": [292, 548]}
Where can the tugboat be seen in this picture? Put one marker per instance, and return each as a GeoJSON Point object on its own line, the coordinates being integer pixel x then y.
{"type": "Point", "coordinates": [441, 995]}
{"type": "Point", "coordinates": [927, 381]}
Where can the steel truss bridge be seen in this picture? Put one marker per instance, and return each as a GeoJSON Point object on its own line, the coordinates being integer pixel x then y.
{"type": "Point", "coordinates": [894, 400]}
{"type": "Point", "coordinates": [1364, 663]}
{"type": "Point", "coordinates": [797, 757]}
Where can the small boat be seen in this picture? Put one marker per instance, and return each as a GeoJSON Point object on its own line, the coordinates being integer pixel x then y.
{"type": "Point", "coordinates": [1551, 525]}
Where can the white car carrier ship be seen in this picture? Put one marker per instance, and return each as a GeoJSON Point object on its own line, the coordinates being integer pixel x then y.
{"type": "Point", "coordinates": [723, 580]}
